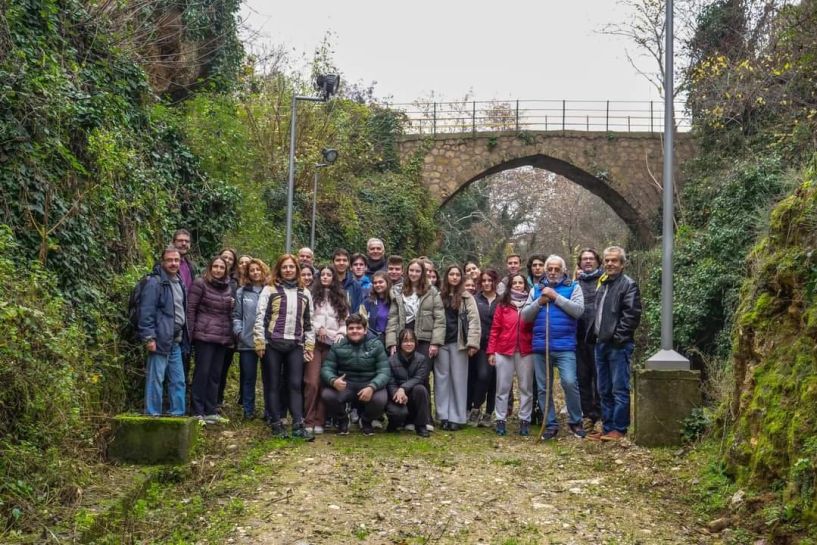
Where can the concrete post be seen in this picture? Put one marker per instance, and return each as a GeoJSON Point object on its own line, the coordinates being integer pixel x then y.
{"type": "Point", "coordinates": [663, 399]}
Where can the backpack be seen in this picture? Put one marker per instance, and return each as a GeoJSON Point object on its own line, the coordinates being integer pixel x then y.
{"type": "Point", "coordinates": [134, 302]}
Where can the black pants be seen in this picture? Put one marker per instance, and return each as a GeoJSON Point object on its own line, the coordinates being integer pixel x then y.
{"type": "Point", "coordinates": [206, 377]}
{"type": "Point", "coordinates": [415, 411]}
{"type": "Point", "coordinates": [479, 379]}
{"type": "Point", "coordinates": [225, 370]}
{"type": "Point", "coordinates": [586, 374]}
{"type": "Point", "coordinates": [285, 366]}
{"type": "Point", "coordinates": [336, 401]}
{"type": "Point", "coordinates": [422, 348]}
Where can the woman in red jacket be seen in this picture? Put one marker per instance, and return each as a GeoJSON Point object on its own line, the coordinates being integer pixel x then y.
{"type": "Point", "coordinates": [209, 315]}
{"type": "Point", "coordinates": [509, 350]}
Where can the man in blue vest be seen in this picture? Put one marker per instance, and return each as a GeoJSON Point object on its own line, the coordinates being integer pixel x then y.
{"type": "Point", "coordinates": [554, 306]}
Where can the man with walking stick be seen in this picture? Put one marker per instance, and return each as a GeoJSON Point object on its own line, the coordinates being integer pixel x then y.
{"type": "Point", "coordinates": [554, 306]}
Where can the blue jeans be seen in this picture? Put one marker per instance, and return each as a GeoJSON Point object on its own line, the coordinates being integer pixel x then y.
{"type": "Point", "coordinates": [158, 366]}
{"type": "Point", "coordinates": [248, 361]}
{"type": "Point", "coordinates": [566, 363]}
{"type": "Point", "coordinates": [613, 378]}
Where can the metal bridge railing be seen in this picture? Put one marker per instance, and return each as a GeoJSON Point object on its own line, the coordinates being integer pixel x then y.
{"type": "Point", "coordinates": [538, 115]}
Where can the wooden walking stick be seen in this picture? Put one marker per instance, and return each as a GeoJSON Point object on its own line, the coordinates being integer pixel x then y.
{"type": "Point", "coordinates": [546, 410]}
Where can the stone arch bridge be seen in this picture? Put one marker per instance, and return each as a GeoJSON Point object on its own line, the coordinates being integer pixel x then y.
{"type": "Point", "coordinates": [623, 168]}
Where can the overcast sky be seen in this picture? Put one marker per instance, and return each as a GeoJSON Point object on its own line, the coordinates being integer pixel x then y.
{"type": "Point", "coordinates": [546, 49]}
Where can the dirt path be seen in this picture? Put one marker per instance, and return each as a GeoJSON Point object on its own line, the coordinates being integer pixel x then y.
{"type": "Point", "coordinates": [466, 487]}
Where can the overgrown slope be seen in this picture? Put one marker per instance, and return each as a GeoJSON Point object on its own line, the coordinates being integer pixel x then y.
{"type": "Point", "coordinates": [774, 440]}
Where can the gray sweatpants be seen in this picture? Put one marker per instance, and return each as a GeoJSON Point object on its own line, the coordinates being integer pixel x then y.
{"type": "Point", "coordinates": [505, 368]}
{"type": "Point", "coordinates": [451, 384]}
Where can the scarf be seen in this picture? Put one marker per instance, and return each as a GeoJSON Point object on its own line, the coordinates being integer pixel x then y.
{"type": "Point", "coordinates": [518, 298]}
{"type": "Point", "coordinates": [290, 284]}
{"type": "Point", "coordinates": [592, 275]}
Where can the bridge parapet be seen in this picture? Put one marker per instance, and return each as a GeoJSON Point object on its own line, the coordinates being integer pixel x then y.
{"type": "Point", "coordinates": [537, 115]}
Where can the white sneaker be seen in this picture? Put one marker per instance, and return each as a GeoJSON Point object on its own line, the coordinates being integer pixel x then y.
{"type": "Point", "coordinates": [317, 430]}
{"type": "Point", "coordinates": [377, 424]}
{"type": "Point", "coordinates": [310, 429]}
{"type": "Point", "coordinates": [354, 417]}
{"type": "Point", "coordinates": [409, 427]}
{"type": "Point", "coordinates": [216, 419]}
{"type": "Point", "coordinates": [429, 427]}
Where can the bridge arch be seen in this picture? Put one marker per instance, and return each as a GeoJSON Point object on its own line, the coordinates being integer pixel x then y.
{"type": "Point", "coordinates": [623, 169]}
{"type": "Point", "coordinates": [593, 184]}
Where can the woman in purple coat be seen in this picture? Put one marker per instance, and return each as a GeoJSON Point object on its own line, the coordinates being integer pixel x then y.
{"type": "Point", "coordinates": [209, 309]}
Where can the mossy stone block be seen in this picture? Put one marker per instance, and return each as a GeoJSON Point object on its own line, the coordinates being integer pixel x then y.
{"type": "Point", "coordinates": [663, 399]}
{"type": "Point", "coordinates": [153, 440]}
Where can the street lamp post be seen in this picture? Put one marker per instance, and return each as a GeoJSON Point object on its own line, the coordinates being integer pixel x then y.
{"type": "Point", "coordinates": [326, 85]}
{"type": "Point", "coordinates": [667, 358]}
{"type": "Point", "coordinates": [329, 157]}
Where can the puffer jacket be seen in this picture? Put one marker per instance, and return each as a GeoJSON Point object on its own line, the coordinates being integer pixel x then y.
{"type": "Point", "coordinates": [209, 312]}
{"type": "Point", "coordinates": [555, 323]}
{"type": "Point", "coordinates": [246, 306]}
{"type": "Point", "coordinates": [509, 332]}
{"type": "Point", "coordinates": [429, 324]}
{"type": "Point", "coordinates": [407, 373]}
{"type": "Point", "coordinates": [362, 363]}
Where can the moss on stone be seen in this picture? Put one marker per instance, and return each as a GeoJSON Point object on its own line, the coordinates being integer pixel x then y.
{"type": "Point", "coordinates": [774, 438]}
{"type": "Point", "coordinates": [153, 440]}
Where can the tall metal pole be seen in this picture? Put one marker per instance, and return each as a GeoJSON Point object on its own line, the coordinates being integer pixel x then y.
{"type": "Point", "coordinates": [314, 208]}
{"type": "Point", "coordinates": [291, 180]}
{"type": "Point", "coordinates": [667, 359]}
{"type": "Point", "coordinates": [668, 236]}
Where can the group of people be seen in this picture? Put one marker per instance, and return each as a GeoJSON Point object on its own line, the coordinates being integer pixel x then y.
{"type": "Point", "coordinates": [360, 338]}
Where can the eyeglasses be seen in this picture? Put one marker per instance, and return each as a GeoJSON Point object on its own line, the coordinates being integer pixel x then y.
{"type": "Point", "coordinates": [554, 269]}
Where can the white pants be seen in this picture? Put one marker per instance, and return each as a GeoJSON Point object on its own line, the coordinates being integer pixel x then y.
{"type": "Point", "coordinates": [505, 368]}
{"type": "Point", "coordinates": [451, 384]}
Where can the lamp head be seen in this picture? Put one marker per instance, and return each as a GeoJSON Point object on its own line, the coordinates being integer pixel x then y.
{"type": "Point", "coordinates": [329, 155]}
{"type": "Point", "coordinates": [327, 85]}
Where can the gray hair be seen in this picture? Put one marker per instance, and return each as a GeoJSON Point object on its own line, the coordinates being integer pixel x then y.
{"type": "Point", "coordinates": [558, 259]}
{"type": "Point", "coordinates": [374, 241]}
{"type": "Point", "coordinates": [615, 250]}
{"type": "Point", "coordinates": [307, 248]}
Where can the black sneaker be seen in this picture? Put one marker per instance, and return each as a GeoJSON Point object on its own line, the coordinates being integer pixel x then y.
{"type": "Point", "coordinates": [343, 425]}
{"type": "Point", "coordinates": [578, 431]}
{"type": "Point", "coordinates": [422, 431]}
{"type": "Point", "coordinates": [453, 426]}
{"type": "Point", "coordinates": [445, 425]}
{"type": "Point", "coordinates": [549, 434]}
{"type": "Point", "coordinates": [366, 427]}
{"type": "Point", "coordinates": [278, 430]}
{"type": "Point", "coordinates": [524, 428]}
{"type": "Point", "coordinates": [500, 428]}
{"type": "Point", "coordinates": [392, 427]}
{"type": "Point", "coordinates": [303, 433]}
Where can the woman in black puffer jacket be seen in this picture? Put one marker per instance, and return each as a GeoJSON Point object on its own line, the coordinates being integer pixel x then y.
{"type": "Point", "coordinates": [209, 309]}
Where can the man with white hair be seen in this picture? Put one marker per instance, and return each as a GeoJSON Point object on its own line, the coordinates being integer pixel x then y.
{"type": "Point", "coordinates": [554, 306]}
{"type": "Point", "coordinates": [617, 315]}
{"type": "Point", "coordinates": [375, 256]}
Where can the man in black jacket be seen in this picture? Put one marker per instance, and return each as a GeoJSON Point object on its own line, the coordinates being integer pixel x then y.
{"type": "Point", "coordinates": [618, 313]}
{"type": "Point", "coordinates": [408, 396]}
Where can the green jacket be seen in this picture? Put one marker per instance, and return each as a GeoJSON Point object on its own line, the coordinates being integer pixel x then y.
{"type": "Point", "coordinates": [362, 363]}
{"type": "Point", "coordinates": [429, 324]}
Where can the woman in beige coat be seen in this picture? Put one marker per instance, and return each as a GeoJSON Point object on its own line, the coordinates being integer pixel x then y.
{"type": "Point", "coordinates": [461, 340]}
